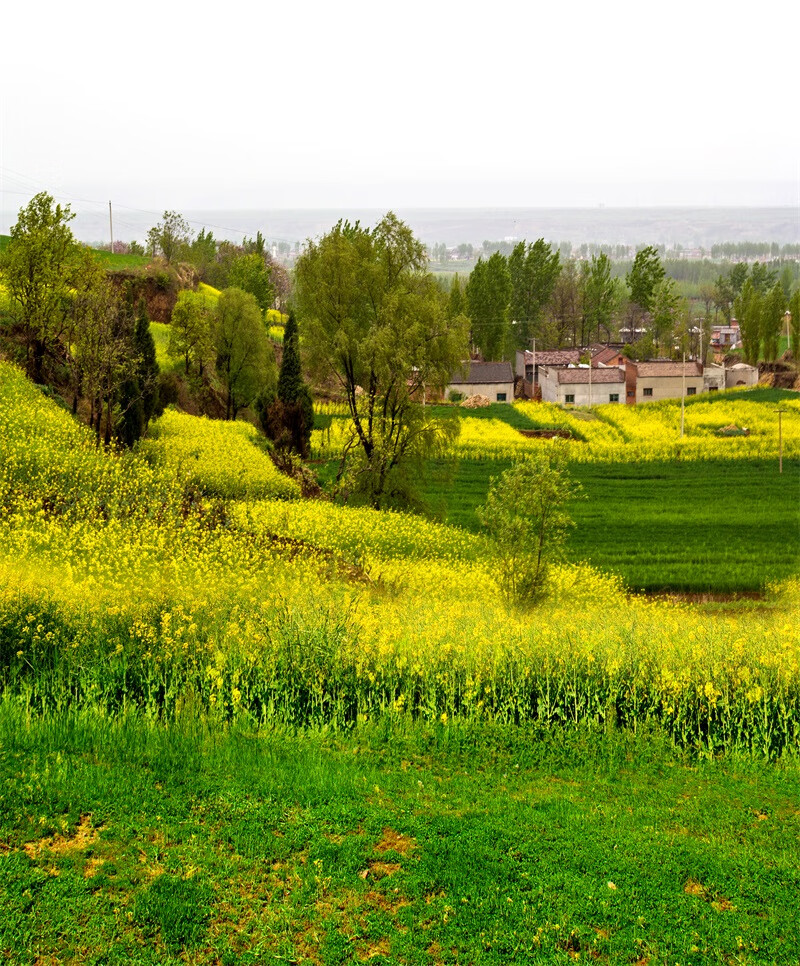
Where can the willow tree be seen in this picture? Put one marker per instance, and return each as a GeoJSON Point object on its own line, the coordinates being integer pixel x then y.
{"type": "Point", "coordinates": [376, 324]}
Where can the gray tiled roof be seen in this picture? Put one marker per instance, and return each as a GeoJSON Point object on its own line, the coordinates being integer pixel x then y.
{"type": "Point", "coordinates": [573, 376]}
{"type": "Point", "coordinates": [483, 372]}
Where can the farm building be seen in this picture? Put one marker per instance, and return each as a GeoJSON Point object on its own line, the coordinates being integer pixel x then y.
{"type": "Point", "coordinates": [582, 386]}
{"type": "Point", "coordinates": [728, 377]}
{"type": "Point", "coordinates": [495, 380]}
{"type": "Point", "coordinates": [650, 381]}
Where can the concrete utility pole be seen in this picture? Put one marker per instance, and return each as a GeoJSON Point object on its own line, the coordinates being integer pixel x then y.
{"type": "Point", "coordinates": [111, 227]}
{"type": "Point", "coordinates": [683, 389]}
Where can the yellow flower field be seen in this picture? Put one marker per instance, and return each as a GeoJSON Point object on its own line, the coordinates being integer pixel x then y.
{"type": "Point", "coordinates": [113, 591]}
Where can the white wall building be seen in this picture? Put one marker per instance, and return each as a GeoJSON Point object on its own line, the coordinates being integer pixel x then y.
{"type": "Point", "coordinates": [495, 380]}
{"type": "Point", "coordinates": [582, 386]}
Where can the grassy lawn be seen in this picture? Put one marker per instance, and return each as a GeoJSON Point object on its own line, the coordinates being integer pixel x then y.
{"type": "Point", "coordinates": [128, 842]}
{"type": "Point", "coordinates": [116, 262]}
{"type": "Point", "coordinates": [725, 526]}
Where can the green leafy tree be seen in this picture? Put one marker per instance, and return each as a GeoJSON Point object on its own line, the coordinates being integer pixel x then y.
{"type": "Point", "coordinates": [457, 300]}
{"type": "Point", "coordinates": [488, 291]}
{"type": "Point", "coordinates": [794, 308]}
{"type": "Point", "coordinates": [763, 277]}
{"type": "Point", "coordinates": [245, 360]}
{"type": "Point", "coordinates": [202, 252]}
{"type": "Point", "coordinates": [534, 270]}
{"type": "Point", "coordinates": [147, 368]}
{"type": "Point", "coordinates": [664, 305]}
{"type": "Point", "coordinates": [600, 297]}
{"type": "Point", "coordinates": [251, 274]}
{"type": "Point", "coordinates": [747, 310]}
{"type": "Point", "coordinates": [191, 334]}
{"type": "Point", "coordinates": [525, 517]}
{"type": "Point", "coordinates": [38, 271]}
{"type": "Point", "coordinates": [772, 312]}
{"type": "Point", "coordinates": [288, 418]}
{"type": "Point", "coordinates": [376, 324]}
{"type": "Point", "coordinates": [645, 274]}
{"type": "Point", "coordinates": [171, 237]}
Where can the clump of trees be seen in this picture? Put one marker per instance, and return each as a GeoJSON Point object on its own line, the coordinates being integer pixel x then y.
{"type": "Point", "coordinates": [530, 293]}
{"type": "Point", "coordinates": [71, 328]}
{"type": "Point", "coordinates": [377, 325]}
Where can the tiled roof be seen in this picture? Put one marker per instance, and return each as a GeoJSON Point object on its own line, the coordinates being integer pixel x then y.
{"type": "Point", "coordinates": [605, 355]}
{"type": "Point", "coordinates": [483, 372]}
{"type": "Point", "coordinates": [652, 370]}
{"type": "Point", "coordinates": [573, 376]}
{"type": "Point", "coordinates": [554, 357]}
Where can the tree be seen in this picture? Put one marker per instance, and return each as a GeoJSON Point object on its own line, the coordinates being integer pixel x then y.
{"type": "Point", "coordinates": [245, 360]}
{"type": "Point", "coordinates": [104, 353]}
{"type": "Point", "coordinates": [251, 273]}
{"type": "Point", "coordinates": [747, 309]}
{"type": "Point", "coordinates": [488, 291]}
{"type": "Point", "coordinates": [534, 270]}
{"type": "Point", "coordinates": [191, 334]}
{"type": "Point", "coordinates": [762, 277]}
{"type": "Point", "coordinates": [376, 324]}
{"type": "Point", "coordinates": [646, 272]}
{"type": "Point", "coordinates": [147, 368]}
{"type": "Point", "coordinates": [772, 311]}
{"type": "Point", "coordinates": [38, 269]}
{"type": "Point", "coordinates": [794, 308]}
{"type": "Point", "coordinates": [600, 297]}
{"type": "Point", "coordinates": [664, 304]}
{"type": "Point", "coordinates": [457, 300]}
{"type": "Point", "coordinates": [524, 516]}
{"type": "Point", "coordinates": [288, 418]}
{"type": "Point", "coordinates": [170, 237]}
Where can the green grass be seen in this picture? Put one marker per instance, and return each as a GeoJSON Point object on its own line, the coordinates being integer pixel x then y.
{"type": "Point", "coordinates": [119, 263]}
{"type": "Point", "coordinates": [126, 841]}
{"type": "Point", "coordinates": [724, 527]}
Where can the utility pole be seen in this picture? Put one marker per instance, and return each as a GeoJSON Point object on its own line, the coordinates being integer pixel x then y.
{"type": "Point", "coordinates": [111, 227]}
{"type": "Point", "coordinates": [683, 389]}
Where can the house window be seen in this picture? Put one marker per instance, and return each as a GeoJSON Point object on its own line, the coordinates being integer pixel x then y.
{"type": "Point", "coordinates": [613, 397]}
{"type": "Point", "coordinates": [570, 397]}
{"type": "Point", "coordinates": [691, 390]}
{"type": "Point", "coordinates": [713, 388]}
{"type": "Point", "coordinates": [647, 392]}
{"type": "Point", "coordinates": [501, 397]}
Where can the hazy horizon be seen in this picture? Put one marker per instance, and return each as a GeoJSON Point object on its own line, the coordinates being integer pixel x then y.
{"type": "Point", "coordinates": [691, 227]}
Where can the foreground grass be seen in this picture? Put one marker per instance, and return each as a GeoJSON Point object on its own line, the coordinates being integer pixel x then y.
{"type": "Point", "coordinates": [720, 527]}
{"type": "Point", "coordinates": [127, 841]}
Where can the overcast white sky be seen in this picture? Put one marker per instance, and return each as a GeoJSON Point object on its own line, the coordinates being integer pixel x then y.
{"type": "Point", "coordinates": [319, 104]}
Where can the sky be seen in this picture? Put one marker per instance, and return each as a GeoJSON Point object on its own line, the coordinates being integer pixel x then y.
{"type": "Point", "coordinates": [421, 104]}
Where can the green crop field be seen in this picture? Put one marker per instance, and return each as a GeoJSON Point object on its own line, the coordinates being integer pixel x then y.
{"type": "Point", "coordinates": [716, 527]}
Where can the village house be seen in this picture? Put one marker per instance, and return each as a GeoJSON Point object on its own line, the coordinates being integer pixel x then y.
{"type": "Point", "coordinates": [495, 380]}
{"type": "Point", "coordinates": [582, 386]}
{"type": "Point", "coordinates": [651, 381]}
{"type": "Point", "coordinates": [718, 376]}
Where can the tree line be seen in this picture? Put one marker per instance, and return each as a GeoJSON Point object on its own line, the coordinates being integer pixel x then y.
{"type": "Point", "coordinates": [533, 293]}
